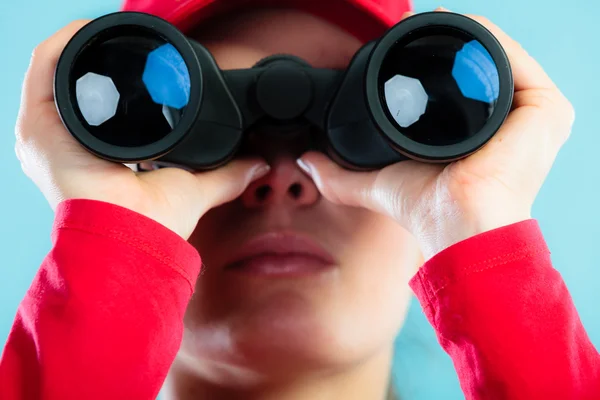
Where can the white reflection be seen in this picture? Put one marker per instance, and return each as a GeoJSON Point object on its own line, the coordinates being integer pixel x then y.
{"type": "Point", "coordinates": [97, 97]}
{"type": "Point", "coordinates": [406, 99]}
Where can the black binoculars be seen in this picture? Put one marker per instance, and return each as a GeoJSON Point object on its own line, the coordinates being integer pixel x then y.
{"type": "Point", "coordinates": [131, 88]}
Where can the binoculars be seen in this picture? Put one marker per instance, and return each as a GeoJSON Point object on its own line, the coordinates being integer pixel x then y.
{"type": "Point", "coordinates": [132, 88]}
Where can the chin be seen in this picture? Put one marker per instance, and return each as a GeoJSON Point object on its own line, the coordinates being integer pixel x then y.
{"type": "Point", "coordinates": [273, 337]}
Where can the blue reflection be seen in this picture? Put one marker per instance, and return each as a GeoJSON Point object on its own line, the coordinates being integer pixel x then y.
{"type": "Point", "coordinates": [167, 78]}
{"type": "Point", "coordinates": [476, 74]}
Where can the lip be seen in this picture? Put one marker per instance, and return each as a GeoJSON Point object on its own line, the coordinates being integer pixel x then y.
{"type": "Point", "coordinates": [280, 254]}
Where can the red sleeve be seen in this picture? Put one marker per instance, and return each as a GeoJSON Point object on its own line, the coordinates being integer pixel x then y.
{"type": "Point", "coordinates": [505, 316]}
{"type": "Point", "coordinates": [103, 318]}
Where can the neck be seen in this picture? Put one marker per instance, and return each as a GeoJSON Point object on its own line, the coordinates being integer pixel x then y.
{"type": "Point", "coordinates": [369, 380]}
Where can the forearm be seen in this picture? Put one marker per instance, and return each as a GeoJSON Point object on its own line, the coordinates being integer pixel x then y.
{"type": "Point", "coordinates": [505, 316]}
{"type": "Point", "coordinates": [104, 315]}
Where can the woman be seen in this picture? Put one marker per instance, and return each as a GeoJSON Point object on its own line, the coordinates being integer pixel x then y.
{"type": "Point", "coordinates": [306, 266]}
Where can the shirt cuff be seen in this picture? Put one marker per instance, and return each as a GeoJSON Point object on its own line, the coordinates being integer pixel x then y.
{"type": "Point", "coordinates": [488, 250]}
{"type": "Point", "coordinates": [129, 227]}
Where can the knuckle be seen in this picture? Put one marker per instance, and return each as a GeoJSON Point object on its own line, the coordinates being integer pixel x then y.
{"type": "Point", "coordinates": [25, 171]}
{"type": "Point", "coordinates": [519, 46]}
{"type": "Point", "coordinates": [18, 152]}
{"type": "Point", "coordinates": [485, 20]}
{"type": "Point", "coordinates": [31, 125]}
{"type": "Point", "coordinates": [568, 109]}
{"type": "Point", "coordinates": [564, 107]}
{"type": "Point", "coordinates": [20, 128]}
{"type": "Point", "coordinates": [559, 109]}
{"type": "Point", "coordinates": [77, 23]}
{"type": "Point", "coordinates": [547, 100]}
{"type": "Point", "coordinates": [22, 159]}
{"type": "Point", "coordinates": [23, 132]}
{"type": "Point", "coordinates": [47, 47]}
{"type": "Point", "coordinates": [479, 18]}
{"type": "Point", "coordinates": [39, 51]}
{"type": "Point", "coordinates": [569, 113]}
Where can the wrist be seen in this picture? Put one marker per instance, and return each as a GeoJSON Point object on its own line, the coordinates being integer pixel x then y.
{"type": "Point", "coordinates": [439, 232]}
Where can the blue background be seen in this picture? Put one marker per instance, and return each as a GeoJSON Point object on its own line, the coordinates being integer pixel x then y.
{"type": "Point", "coordinates": [559, 34]}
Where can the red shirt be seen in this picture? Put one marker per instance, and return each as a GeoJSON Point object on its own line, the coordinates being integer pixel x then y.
{"type": "Point", "coordinates": [103, 318]}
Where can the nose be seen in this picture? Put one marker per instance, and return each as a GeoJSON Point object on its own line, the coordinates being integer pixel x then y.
{"type": "Point", "coordinates": [285, 184]}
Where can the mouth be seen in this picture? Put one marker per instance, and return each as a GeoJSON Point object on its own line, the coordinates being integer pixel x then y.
{"type": "Point", "coordinates": [281, 254]}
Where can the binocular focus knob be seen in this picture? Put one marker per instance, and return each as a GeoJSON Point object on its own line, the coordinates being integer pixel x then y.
{"type": "Point", "coordinates": [284, 91]}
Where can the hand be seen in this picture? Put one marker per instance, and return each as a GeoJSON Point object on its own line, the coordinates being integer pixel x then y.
{"type": "Point", "coordinates": [444, 204]}
{"type": "Point", "coordinates": [63, 169]}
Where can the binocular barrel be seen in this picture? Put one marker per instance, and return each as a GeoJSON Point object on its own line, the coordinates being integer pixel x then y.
{"type": "Point", "coordinates": [132, 88]}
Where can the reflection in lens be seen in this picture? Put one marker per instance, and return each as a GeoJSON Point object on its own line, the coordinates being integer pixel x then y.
{"type": "Point", "coordinates": [166, 77]}
{"type": "Point", "coordinates": [406, 99]}
{"type": "Point", "coordinates": [97, 97]}
{"type": "Point", "coordinates": [172, 115]}
{"type": "Point", "coordinates": [440, 86]}
{"type": "Point", "coordinates": [131, 88]}
{"type": "Point", "coordinates": [475, 73]}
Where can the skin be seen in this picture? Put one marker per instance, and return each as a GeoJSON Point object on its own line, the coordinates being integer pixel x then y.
{"type": "Point", "coordinates": [262, 331]}
{"type": "Point", "coordinates": [327, 336]}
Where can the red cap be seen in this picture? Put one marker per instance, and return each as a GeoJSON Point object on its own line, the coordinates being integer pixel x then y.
{"type": "Point", "coordinates": [365, 19]}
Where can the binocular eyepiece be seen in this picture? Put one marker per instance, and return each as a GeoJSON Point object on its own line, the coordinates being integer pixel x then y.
{"type": "Point", "coordinates": [131, 88]}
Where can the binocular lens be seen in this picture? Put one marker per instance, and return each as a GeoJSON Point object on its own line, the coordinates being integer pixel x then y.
{"type": "Point", "coordinates": [130, 86]}
{"type": "Point", "coordinates": [439, 85]}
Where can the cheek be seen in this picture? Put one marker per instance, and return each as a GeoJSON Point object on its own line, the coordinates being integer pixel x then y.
{"type": "Point", "coordinates": [378, 263]}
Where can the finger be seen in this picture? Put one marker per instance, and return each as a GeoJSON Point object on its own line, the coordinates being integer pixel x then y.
{"type": "Point", "coordinates": [527, 72]}
{"type": "Point", "coordinates": [390, 191]}
{"type": "Point", "coordinates": [537, 128]}
{"type": "Point", "coordinates": [42, 139]}
{"type": "Point", "coordinates": [538, 105]}
{"type": "Point", "coordinates": [37, 87]}
{"type": "Point", "coordinates": [336, 184]}
{"type": "Point", "coordinates": [557, 109]}
{"type": "Point", "coordinates": [229, 181]}
{"type": "Point", "coordinates": [209, 189]}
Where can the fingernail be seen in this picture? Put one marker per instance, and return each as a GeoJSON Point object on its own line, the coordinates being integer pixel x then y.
{"type": "Point", "coordinates": [304, 166]}
{"type": "Point", "coordinates": [440, 8]}
{"type": "Point", "coordinates": [260, 171]}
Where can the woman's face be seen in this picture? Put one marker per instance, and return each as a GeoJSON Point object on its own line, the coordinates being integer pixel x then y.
{"type": "Point", "coordinates": [278, 314]}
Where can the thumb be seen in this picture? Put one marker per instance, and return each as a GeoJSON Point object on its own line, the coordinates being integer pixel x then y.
{"type": "Point", "coordinates": [186, 196]}
{"type": "Point", "coordinates": [393, 191]}
{"type": "Point", "coordinates": [229, 181]}
{"type": "Point", "coordinates": [207, 189]}
{"type": "Point", "coordinates": [339, 185]}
